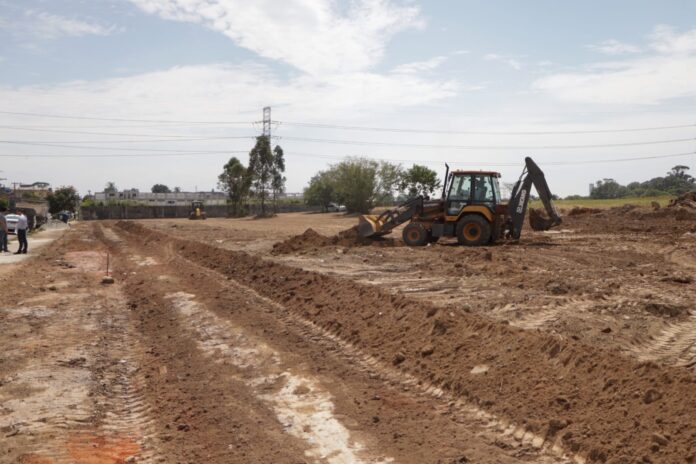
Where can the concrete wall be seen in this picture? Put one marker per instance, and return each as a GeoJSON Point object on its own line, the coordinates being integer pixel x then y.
{"type": "Point", "coordinates": [153, 212]}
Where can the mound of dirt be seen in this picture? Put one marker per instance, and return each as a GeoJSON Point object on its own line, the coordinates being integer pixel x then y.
{"type": "Point", "coordinates": [312, 240]}
{"type": "Point", "coordinates": [307, 240]}
{"type": "Point", "coordinates": [581, 211]}
{"type": "Point", "coordinates": [687, 200]}
{"type": "Point", "coordinates": [625, 209]}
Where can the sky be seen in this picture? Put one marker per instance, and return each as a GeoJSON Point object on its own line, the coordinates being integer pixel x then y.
{"type": "Point", "coordinates": [140, 92]}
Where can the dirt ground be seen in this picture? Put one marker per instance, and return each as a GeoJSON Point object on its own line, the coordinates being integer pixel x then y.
{"type": "Point", "coordinates": [216, 344]}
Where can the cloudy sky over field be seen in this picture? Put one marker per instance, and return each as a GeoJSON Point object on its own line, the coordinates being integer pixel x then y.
{"type": "Point", "coordinates": [165, 91]}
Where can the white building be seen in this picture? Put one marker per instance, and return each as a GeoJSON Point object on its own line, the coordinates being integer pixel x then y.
{"type": "Point", "coordinates": [162, 199]}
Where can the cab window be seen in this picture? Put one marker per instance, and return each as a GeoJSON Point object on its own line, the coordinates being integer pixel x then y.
{"type": "Point", "coordinates": [459, 194]}
{"type": "Point", "coordinates": [483, 190]}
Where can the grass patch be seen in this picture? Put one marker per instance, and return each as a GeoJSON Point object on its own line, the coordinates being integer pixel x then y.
{"type": "Point", "coordinates": [608, 203]}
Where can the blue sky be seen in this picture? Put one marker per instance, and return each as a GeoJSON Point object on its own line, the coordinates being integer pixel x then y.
{"type": "Point", "coordinates": [505, 70]}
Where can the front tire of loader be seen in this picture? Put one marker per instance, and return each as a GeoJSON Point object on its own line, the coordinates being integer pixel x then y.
{"type": "Point", "coordinates": [415, 234]}
{"type": "Point", "coordinates": [473, 230]}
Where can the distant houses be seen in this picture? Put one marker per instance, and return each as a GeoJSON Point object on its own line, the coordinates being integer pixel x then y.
{"type": "Point", "coordinates": [135, 196]}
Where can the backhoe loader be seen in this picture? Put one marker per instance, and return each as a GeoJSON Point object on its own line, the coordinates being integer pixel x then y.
{"type": "Point", "coordinates": [470, 210]}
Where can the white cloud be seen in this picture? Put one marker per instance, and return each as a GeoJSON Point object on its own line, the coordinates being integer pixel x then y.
{"type": "Point", "coordinates": [420, 66]}
{"type": "Point", "coordinates": [208, 92]}
{"type": "Point", "coordinates": [314, 36]}
{"type": "Point", "coordinates": [49, 26]}
{"type": "Point", "coordinates": [614, 47]}
{"type": "Point", "coordinates": [511, 62]}
{"type": "Point", "coordinates": [666, 74]}
{"type": "Point", "coordinates": [665, 40]}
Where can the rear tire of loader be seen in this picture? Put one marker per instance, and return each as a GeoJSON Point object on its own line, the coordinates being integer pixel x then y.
{"type": "Point", "coordinates": [473, 230]}
{"type": "Point", "coordinates": [415, 234]}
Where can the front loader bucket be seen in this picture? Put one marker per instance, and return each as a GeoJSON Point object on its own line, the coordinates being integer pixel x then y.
{"type": "Point", "coordinates": [368, 226]}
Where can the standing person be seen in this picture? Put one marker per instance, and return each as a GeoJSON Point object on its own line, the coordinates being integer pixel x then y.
{"type": "Point", "coordinates": [21, 229]}
{"type": "Point", "coordinates": [3, 230]}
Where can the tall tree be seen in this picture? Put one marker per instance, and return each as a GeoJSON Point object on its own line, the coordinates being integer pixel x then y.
{"type": "Point", "coordinates": [177, 189]}
{"type": "Point", "coordinates": [261, 163]}
{"type": "Point", "coordinates": [419, 180]}
{"type": "Point", "coordinates": [63, 199]}
{"type": "Point", "coordinates": [235, 181]}
{"type": "Point", "coordinates": [278, 181]}
{"type": "Point", "coordinates": [110, 187]}
{"type": "Point", "coordinates": [160, 188]}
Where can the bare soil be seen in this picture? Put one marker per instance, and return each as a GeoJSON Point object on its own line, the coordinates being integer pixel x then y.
{"type": "Point", "coordinates": [262, 341]}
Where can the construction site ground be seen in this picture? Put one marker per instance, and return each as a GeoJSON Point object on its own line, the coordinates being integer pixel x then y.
{"type": "Point", "coordinates": [258, 341]}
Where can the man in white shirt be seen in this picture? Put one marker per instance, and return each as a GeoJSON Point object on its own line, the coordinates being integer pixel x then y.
{"type": "Point", "coordinates": [21, 231]}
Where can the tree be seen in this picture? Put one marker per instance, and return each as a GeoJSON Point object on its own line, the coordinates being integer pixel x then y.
{"type": "Point", "coordinates": [608, 188]}
{"type": "Point", "coordinates": [356, 184]}
{"type": "Point", "coordinates": [110, 187]}
{"type": "Point", "coordinates": [389, 178]}
{"type": "Point", "coordinates": [680, 171]}
{"type": "Point", "coordinates": [278, 181]}
{"type": "Point", "coordinates": [63, 199]}
{"type": "Point", "coordinates": [321, 190]}
{"type": "Point", "coordinates": [160, 188]}
{"type": "Point", "coordinates": [177, 189]}
{"type": "Point", "coordinates": [235, 181]}
{"type": "Point", "coordinates": [261, 165]}
{"type": "Point", "coordinates": [419, 180]}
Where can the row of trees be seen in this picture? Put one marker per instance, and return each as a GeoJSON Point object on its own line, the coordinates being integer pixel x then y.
{"type": "Point", "coordinates": [263, 179]}
{"type": "Point", "coordinates": [676, 182]}
{"type": "Point", "coordinates": [360, 184]}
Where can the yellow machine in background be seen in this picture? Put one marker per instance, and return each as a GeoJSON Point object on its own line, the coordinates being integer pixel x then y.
{"type": "Point", "coordinates": [197, 210]}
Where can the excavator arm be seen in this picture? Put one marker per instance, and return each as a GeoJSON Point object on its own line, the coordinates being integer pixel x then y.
{"type": "Point", "coordinates": [517, 208]}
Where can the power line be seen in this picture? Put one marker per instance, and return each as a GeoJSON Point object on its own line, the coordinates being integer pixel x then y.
{"type": "Point", "coordinates": [93, 118]}
{"type": "Point", "coordinates": [121, 155]}
{"type": "Point", "coordinates": [60, 131]}
{"type": "Point", "coordinates": [82, 147]}
{"type": "Point", "coordinates": [343, 157]}
{"type": "Point", "coordinates": [488, 147]}
{"type": "Point", "coordinates": [30, 142]}
{"type": "Point", "coordinates": [470, 132]}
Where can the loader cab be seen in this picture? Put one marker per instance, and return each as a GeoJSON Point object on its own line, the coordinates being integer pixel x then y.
{"type": "Point", "coordinates": [472, 188]}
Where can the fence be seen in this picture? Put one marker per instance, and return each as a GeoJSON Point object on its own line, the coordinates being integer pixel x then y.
{"type": "Point", "coordinates": [155, 212]}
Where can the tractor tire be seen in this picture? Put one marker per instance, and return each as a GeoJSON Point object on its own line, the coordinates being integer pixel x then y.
{"type": "Point", "coordinates": [415, 234]}
{"type": "Point", "coordinates": [473, 230]}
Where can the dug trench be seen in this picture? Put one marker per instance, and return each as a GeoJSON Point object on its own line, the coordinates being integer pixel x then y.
{"type": "Point", "coordinates": [595, 404]}
{"type": "Point", "coordinates": [213, 341]}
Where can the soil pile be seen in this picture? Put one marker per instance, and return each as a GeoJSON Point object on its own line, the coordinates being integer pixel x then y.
{"type": "Point", "coordinates": [595, 402]}
{"type": "Point", "coordinates": [312, 240]}
{"type": "Point", "coordinates": [305, 241]}
{"type": "Point", "coordinates": [581, 211]}
{"type": "Point", "coordinates": [687, 200]}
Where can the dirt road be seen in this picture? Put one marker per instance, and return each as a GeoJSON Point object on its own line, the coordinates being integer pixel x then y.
{"type": "Point", "coordinates": [203, 353]}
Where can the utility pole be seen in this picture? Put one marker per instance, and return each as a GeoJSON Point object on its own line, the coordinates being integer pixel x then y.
{"type": "Point", "coordinates": [267, 122]}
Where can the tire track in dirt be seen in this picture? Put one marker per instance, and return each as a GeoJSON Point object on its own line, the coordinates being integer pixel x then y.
{"type": "Point", "coordinates": [71, 395]}
{"type": "Point", "coordinates": [675, 345]}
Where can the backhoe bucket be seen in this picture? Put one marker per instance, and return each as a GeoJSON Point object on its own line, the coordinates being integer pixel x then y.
{"type": "Point", "coordinates": [369, 226]}
{"type": "Point", "coordinates": [540, 222]}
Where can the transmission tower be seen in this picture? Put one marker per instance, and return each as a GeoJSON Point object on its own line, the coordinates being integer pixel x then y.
{"type": "Point", "coordinates": [267, 122]}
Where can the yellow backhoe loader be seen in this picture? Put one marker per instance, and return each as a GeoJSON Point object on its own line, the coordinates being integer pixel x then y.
{"type": "Point", "coordinates": [470, 210]}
